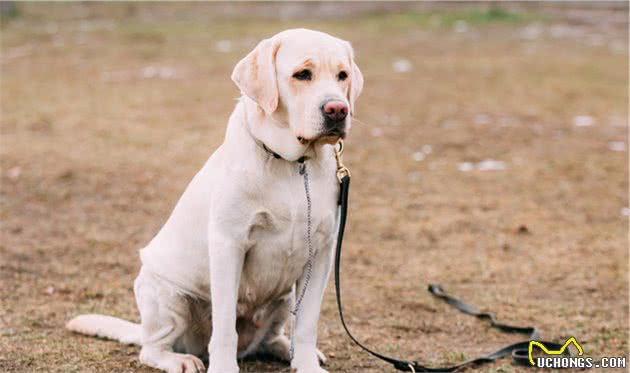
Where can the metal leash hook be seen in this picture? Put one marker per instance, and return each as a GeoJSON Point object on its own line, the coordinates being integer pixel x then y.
{"type": "Point", "coordinates": [341, 169]}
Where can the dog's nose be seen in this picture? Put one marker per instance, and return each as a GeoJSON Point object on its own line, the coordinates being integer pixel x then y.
{"type": "Point", "coordinates": [335, 111]}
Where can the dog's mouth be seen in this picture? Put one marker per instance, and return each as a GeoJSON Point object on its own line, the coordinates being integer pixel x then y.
{"type": "Point", "coordinates": [328, 137]}
{"type": "Point", "coordinates": [332, 137]}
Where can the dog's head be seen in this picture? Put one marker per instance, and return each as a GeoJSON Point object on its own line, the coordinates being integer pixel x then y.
{"type": "Point", "coordinates": [304, 81]}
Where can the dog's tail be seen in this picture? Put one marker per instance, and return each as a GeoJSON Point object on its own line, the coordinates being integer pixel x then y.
{"type": "Point", "coordinates": [106, 327]}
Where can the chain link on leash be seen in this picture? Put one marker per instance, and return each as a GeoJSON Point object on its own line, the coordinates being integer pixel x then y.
{"type": "Point", "coordinates": [309, 263]}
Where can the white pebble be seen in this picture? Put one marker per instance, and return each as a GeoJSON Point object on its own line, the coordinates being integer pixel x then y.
{"type": "Point", "coordinates": [377, 132]}
{"type": "Point", "coordinates": [490, 165]}
{"type": "Point", "coordinates": [427, 149]}
{"type": "Point", "coordinates": [402, 65]}
{"type": "Point", "coordinates": [14, 173]}
{"type": "Point", "coordinates": [617, 146]}
{"type": "Point", "coordinates": [465, 166]}
{"type": "Point", "coordinates": [149, 72]}
{"type": "Point", "coordinates": [167, 73]}
{"type": "Point", "coordinates": [224, 46]}
{"type": "Point", "coordinates": [583, 121]}
{"type": "Point", "coordinates": [418, 156]}
{"type": "Point", "coordinates": [485, 165]}
{"type": "Point", "coordinates": [625, 211]}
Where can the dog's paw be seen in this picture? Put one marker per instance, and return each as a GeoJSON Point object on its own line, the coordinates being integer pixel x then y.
{"type": "Point", "coordinates": [308, 361]}
{"type": "Point", "coordinates": [187, 364]}
{"type": "Point", "coordinates": [279, 347]}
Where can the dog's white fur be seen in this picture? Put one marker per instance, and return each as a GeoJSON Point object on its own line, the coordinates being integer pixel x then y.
{"type": "Point", "coordinates": [222, 269]}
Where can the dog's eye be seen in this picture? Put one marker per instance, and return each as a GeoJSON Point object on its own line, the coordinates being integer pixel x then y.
{"type": "Point", "coordinates": [303, 75]}
{"type": "Point", "coordinates": [342, 75]}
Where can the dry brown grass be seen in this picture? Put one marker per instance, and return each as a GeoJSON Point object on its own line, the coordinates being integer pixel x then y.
{"type": "Point", "coordinates": [104, 153]}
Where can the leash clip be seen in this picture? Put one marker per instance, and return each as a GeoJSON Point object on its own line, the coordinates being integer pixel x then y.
{"type": "Point", "coordinates": [342, 170]}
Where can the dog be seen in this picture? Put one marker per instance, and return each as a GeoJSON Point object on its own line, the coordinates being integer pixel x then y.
{"type": "Point", "coordinates": [219, 279]}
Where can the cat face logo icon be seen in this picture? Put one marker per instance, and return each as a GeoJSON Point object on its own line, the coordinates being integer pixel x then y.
{"type": "Point", "coordinates": [561, 351]}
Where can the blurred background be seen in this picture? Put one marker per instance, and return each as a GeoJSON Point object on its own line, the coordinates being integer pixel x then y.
{"type": "Point", "coordinates": [489, 154]}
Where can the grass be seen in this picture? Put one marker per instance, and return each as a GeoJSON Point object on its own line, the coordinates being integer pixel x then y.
{"type": "Point", "coordinates": [473, 16]}
{"type": "Point", "coordinates": [94, 156]}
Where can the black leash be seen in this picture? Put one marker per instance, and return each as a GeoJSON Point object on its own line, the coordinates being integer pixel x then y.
{"type": "Point", "coordinates": [519, 350]}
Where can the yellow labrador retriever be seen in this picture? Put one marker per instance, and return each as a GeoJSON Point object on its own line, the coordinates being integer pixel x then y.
{"type": "Point", "coordinates": [221, 274]}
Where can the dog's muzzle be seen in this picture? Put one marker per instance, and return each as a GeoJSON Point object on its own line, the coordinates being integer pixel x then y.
{"type": "Point", "coordinates": [334, 113]}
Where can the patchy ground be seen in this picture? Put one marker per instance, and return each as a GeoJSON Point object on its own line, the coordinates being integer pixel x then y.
{"type": "Point", "coordinates": [105, 121]}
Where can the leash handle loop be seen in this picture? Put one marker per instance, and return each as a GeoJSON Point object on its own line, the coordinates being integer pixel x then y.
{"type": "Point", "coordinates": [519, 350]}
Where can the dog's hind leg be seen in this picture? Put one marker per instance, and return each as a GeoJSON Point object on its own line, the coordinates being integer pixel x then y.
{"type": "Point", "coordinates": [166, 318]}
{"type": "Point", "coordinates": [276, 343]}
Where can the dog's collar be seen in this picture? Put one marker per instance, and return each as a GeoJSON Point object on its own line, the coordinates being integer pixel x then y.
{"type": "Point", "coordinates": [278, 156]}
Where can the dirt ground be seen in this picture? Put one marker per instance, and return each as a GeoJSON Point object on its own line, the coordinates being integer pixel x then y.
{"type": "Point", "coordinates": [108, 112]}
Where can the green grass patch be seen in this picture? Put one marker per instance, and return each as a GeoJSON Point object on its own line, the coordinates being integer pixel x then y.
{"type": "Point", "coordinates": [480, 16]}
{"type": "Point", "coordinates": [9, 10]}
{"type": "Point", "coordinates": [441, 18]}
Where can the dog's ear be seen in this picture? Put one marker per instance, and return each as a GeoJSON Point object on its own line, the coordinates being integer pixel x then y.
{"type": "Point", "coordinates": [255, 75]}
{"type": "Point", "coordinates": [356, 80]}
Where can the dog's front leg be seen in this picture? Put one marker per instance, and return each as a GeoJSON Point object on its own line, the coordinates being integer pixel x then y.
{"type": "Point", "coordinates": [226, 265]}
{"type": "Point", "coordinates": [306, 359]}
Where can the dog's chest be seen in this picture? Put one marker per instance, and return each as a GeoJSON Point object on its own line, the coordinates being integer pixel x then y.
{"type": "Point", "coordinates": [278, 239]}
